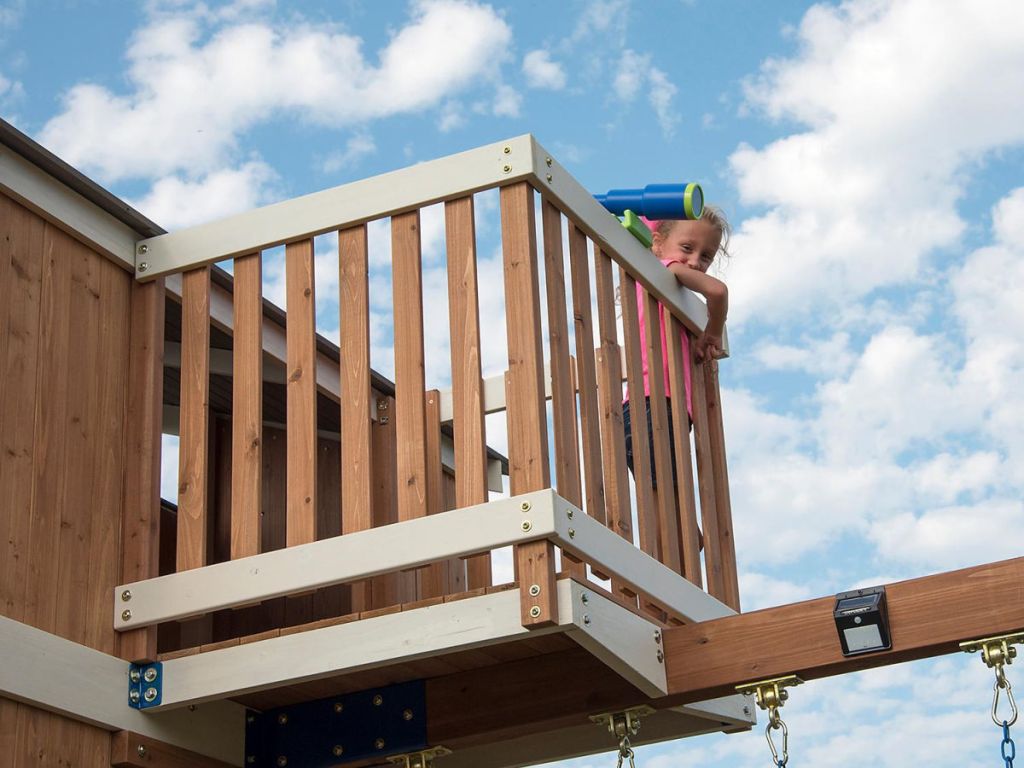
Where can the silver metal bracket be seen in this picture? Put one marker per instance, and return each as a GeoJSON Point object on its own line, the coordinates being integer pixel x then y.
{"type": "Point", "coordinates": [625, 723]}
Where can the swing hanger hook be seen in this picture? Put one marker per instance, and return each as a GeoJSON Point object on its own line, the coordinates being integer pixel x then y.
{"type": "Point", "coordinates": [622, 725]}
{"type": "Point", "coordinates": [997, 653]}
{"type": "Point", "coordinates": [771, 695]}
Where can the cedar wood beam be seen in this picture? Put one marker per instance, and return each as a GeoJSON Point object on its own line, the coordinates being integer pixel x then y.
{"type": "Point", "coordinates": [928, 616]}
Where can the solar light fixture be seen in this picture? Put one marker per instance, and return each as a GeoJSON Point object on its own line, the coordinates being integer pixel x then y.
{"type": "Point", "coordinates": [862, 621]}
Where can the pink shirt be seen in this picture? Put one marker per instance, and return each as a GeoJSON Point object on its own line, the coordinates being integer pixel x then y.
{"type": "Point", "coordinates": [684, 346]}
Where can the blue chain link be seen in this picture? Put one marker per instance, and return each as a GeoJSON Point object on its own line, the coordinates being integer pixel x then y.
{"type": "Point", "coordinates": [1008, 755]}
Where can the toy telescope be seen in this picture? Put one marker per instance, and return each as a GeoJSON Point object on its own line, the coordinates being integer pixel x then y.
{"type": "Point", "coordinates": [656, 201]}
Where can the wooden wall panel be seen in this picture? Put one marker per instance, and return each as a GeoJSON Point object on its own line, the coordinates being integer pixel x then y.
{"type": "Point", "coordinates": [34, 738]}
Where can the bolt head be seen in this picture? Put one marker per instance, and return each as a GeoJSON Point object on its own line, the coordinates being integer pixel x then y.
{"type": "Point", "coordinates": [282, 761]}
{"type": "Point", "coordinates": [250, 759]}
{"type": "Point", "coordinates": [126, 595]}
{"type": "Point", "coordinates": [506, 149]}
{"type": "Point", "coordinates": [134, 697]}
{"type": "Point", "coordinates": [570, 514]}
{"type": "Point", "coordinates": [282, 719]}
{"type": "Point", "coordinates": [572, 533]}
{"type": "Point", "coordinates": [134, 675]}
{"type": "Point", "coordinates": [141, 750]}
{"type": "Point", "coordinates": [584, 598]}
{"type": "Point", "coordinates": [377, 700]}
{"type": "Point", "coordinates": [535, 611]}
{"type": "Point", "coordinates": [339, 707]}
{"type": "Point", "coordinates": [525, 506]}
{"type": "Point", "coordinates": [407, 715]}
{"type": "Point", "coordinates": [586, 618]}
{"type": "Point", "coordinates": [661, 656]}
{"type": "Point", "coordinates": [534, 590]}
{"type": "Point", "coordinates": [150, 695]}
{"type": "Point", "coordinates": [527, 526]}
{"type": "Point", "coordinates": [250, 718]}
{"type": "Point", "coordinates": [506, 168]}
{"type": "Point", "coordinates": [149, 675]}
{"type": "Point", "coordinates": [657, 635]}
{"type": "Point", "coordinates": [126, 614]}
{"type": "Point", "coordinates": [338, 750]}
{"type": "Point", "coordinates": [548, 161]}
{"type": "Point", "coordinates": [143, 249]}
{"type": "Point", "coordinates": [379, 744]}
{"type": "Point", "coordinates": [548, 177]}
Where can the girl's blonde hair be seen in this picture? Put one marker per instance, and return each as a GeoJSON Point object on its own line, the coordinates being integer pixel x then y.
{"type": "Point", "coordinates": [713, 215]}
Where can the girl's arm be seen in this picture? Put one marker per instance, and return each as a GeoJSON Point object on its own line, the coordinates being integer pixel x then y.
{"type": "Point", "coordinates": [709, 343]}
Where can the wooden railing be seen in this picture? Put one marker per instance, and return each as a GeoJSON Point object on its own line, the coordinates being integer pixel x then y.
{"type": "Point", "coordinates": [585, 265]}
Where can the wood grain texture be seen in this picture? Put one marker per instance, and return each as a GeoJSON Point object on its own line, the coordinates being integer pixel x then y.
{"type": "Point", "coordinates": [647, 517]}
{"type": "Point", "coordinates": [356, 403]}
{"type": "Point", "coordinates": [467, 395]}
{"type": "Point", "coordinates": [392, 588]}
{"type": "Point", "coordinates": [706, 483]}
{"type": "Point", "coordinates": [301, 393]}
{"type": "Point", "coordinates": [609, 389]}
{"type": "Point", "coordinates": [590, 412]}
{"type": "Point", "coordinates": [723, 505]}
{"type": "Point", "coordinates": [524, 392]}
{"type": "Point", "coordinates": [247, 407]}
{"type": "Point", "coordinates": [140, 532]}
{"type": "Point", "coordinates": [133, 750]}
{"type": "Point", "coordinates": [21, 266]}
{"type": "Point", "coordinates": [193, 469]}
{"type": "Point", "coordinates": [407, 283]}
{"type": "Point", "coordinates": [665, 497]}
{"type": "Point", "coordinates": [433, 579]}
{"type": "Point", "coordinates": [689, 531]}
{"type": "Point", "coordinates": [928, 616]}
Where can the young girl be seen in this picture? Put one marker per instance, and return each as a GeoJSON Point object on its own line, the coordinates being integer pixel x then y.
{"type": "Point", "coordinates": [686, 248]}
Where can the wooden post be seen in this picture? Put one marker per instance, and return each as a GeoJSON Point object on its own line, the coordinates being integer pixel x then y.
{"type": "Point", "coordinates": [527, 422]}
{"type": "Point", "coordinates": [140, 533]}
{"type": "Point", "coordinates": [690, 533]}
{"type": "Point", "coordinates": [356, 402]}
{"type": "Point", "coordinates": [723, 506]}
{"type": "Point", "coordinates": [590, 413]}
{"type": "Point", "coordinates": [193, 460]}
{"type": "Point", "coordinates": [301, 392]}
{"type": "Point", "coordinates": [563, 395]}
{"type": "Point", "coordinates": [247, 408]}
{"type": "Point", "coordinates": [434, 577]}
{"type": "Point", "coordinates": [706, 482]}
{"type": "Point", "coordinates": [467, 395]}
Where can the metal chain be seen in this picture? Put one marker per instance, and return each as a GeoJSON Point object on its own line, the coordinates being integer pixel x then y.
{"type": "Point", "coordinates": [1007, 749]}
{"type": "Point", "coordinates": [776, 723]}
{"type": "Point", "coordinates": [625, 750]}
{"type": "Point", "coordinates": [1007, 743]}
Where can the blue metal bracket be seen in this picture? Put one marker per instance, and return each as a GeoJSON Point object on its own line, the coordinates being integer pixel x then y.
{"type": "Point", "coordinates": [145, 685]}
{"type": "Point", "coordinates": [339, 729]}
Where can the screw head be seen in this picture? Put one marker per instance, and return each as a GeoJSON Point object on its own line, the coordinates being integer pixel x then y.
{"type": "Point", "coordinates": [506, 168]}
{"type": "Point", "coordinates": [506, 149]}
{"type": "Point", "coordinates": [407, 715]}
{"type": "Point", "coordinates": [657, 635]}
{"type": "Point", "coordinates": [143, 249]}
{"type": "Point", "coordinates": [134, 675]}
{"type": "Point", "coordinates": [525, 506]}
{"type": "Point", "coordinates": [584, 598]}
{"type": "Point", "coordinates": [250, 718]}
{"type": "Point", "coordinates": [250, 759]}
{"type": "Point", "coordinates": [661, 656]}
{"type": "Point", "coordinates": [150, 695]}
{"type": "Point", "coordinates": [126, 614]}
{"type": "Point", "coordinates": [572, 533]}
{"type": "Point", "coordinates": [282, 761]}
{"type": "Point", "coordinates": [547, 160]}
{"type": "Point", "coordinates": [143, 266]}
{"type": "Point", "coordinates": [134, 697]}
{"type": "Point", "coordinates": [126, 595]}
{"type": "Point", "coordinates": [338, 750]}
{"type": "Point", "coordinates": [527, 526]}
{"type": "Point", "coordinates": [149, 675]}
{"type": "Point", "coordinates": [535, 611]}
{"type": "Point", "coordinates": [586, 618]}
{"type": "Point", "coordinates": [379, 744]}
{"type": "Point", "coordinates": [570, 513]}
{"type": "Point", "coordinates": [377, 700]}
{"type": "Point", "coordinates": [141, 750]}
{"type": "Point", "coordinates": [339, 707]}
{"type": "Point", "coordinates": [548, 177]}
{"type": "Point", "coordinates": [534, 590]}
{"type": "Point", "coordinates": [282, 719]}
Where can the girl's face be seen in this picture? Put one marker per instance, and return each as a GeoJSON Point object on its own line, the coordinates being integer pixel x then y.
{"type": "Point", "coordinates": [693, 243]}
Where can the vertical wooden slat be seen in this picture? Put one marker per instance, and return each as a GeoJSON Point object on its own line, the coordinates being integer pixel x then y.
{"type": "Point", "coordinates": [665, 501]}
{"type": "Point", "coordinates": [706, 483]}
{"type": "Point", "coordinates": [647, 518]}
{"type": "Point", "coordinates": [723, 506]}
{"type": "Point", "coordinates": [467, 396]}
{"type": "Point", "coordinates": [387, 589]}
{"type": "Point", "coordinates": [301, 393]}
{"type": "Point", "coordinates": [410, 426]}
{"type": "Point", "coordinates": [247, 407]}
{"type": "Point", "coordinates": [590, 413]}
{"type": "Point", "coordinates": [193, 469]}
{"type": "Point", "coordinates": [356, 402]}
{"type": "Point", "coordinates": [563, 395]}
{"type": "Point", "coordinates": [434, 577]}
{"type": "Point", "coordinates": [527, 422]}
{"type": "Point", "coordinates": [609, 389]}
{"type": "Point", "coordinates": [689, 532]}
{"type": "Point", "coordinates": [140, 532]}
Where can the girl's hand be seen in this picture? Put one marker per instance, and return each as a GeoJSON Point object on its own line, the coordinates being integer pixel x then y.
{"type": "Point", "coordinates": [709, 346]}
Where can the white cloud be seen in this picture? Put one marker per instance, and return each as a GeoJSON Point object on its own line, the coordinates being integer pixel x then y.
{"type": "Point", "coordinates": [174, 202]}
{"type": "Point", "coordinates": [193, 94]}
{"type": "Point", "coordinates": [507, 101]}
{"type": "Point", "coordinates": [542, 72]}
{"type": "Point", "coordinates": [635, 76]}
{"type": "Point", "coordinates": [356, 148]}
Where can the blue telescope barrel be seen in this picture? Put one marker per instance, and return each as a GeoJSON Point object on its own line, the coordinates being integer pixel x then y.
{"type": "Point", "coordinates": [656, 201]}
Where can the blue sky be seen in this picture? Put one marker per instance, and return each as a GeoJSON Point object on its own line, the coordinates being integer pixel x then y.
{"type": "Point", "coordinates": [869, 154]}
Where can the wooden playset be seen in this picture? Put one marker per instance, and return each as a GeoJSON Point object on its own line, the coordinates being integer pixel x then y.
{"type": "Point", "coordinates": [321, 593]}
